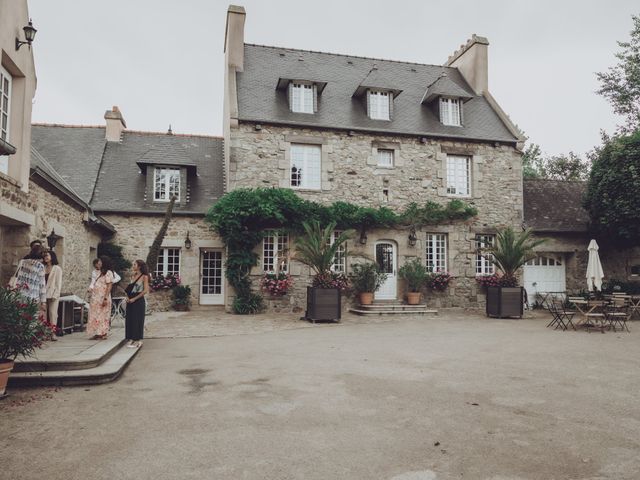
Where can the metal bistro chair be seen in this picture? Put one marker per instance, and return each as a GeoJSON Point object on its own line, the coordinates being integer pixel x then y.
{"type": "Point", "coordinates": [617, 313]}
{"type": "Point", "coordinates": [562, 317]}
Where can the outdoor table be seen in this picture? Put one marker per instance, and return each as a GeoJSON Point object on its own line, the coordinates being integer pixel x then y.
{"type": "Point", "coordinates": [586, 310]}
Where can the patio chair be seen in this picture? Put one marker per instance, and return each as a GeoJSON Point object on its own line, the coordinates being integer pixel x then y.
{"type": "Point", "coordinates": [561, 317]}
{"type": "Point", "coordinates": [617, 313]}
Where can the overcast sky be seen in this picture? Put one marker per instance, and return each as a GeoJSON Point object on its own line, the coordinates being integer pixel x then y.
{"type": "Point", "coordinates": [162, 63]}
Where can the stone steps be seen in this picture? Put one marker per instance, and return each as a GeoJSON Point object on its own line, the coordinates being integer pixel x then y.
{"type": "Point", "coordinates": [392, 308]}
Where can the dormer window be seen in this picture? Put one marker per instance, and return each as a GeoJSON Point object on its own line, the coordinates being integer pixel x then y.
{"type": "Point", "coordinates": [379, 104]}
{"type": "Point", "coordinates": [450, 109]}
{"type": "Point", "coordinates": [166, 184]}
{"type": "Point", "coordinates": [302, 97]}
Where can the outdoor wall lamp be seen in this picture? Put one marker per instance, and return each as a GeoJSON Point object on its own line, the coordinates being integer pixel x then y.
{"type": "Point", "coordinates": [187, 242]}
{"type": "Point", "coordinates": [363, 237]}
{"type": "Point", "coordinates": [413, 238]}
{"type": "Point", "coordinates": [52, 239]}
{"type": "Point", "coordinates": [29, 35]}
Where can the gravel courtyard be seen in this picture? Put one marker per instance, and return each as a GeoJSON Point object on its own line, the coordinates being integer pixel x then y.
{"type": "Point", "coordinates": [432, 398]}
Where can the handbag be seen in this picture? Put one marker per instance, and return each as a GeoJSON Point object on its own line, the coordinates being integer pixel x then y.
{"type": "Point", "coordinates": [129, 289]}
{"type": "Point", "coordinates": [13, 281]}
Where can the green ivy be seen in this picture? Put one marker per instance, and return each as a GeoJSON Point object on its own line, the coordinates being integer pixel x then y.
{"type": "Point", "coordinates": [240, 218]}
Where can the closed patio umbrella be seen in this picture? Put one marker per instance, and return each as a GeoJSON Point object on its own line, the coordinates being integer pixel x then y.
{"type": "Point", "coordinates": [594, 268]}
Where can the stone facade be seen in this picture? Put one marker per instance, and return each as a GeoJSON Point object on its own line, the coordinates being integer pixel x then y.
{"type": "Point", "coordinates": [136, 232]}
{"type": "Point", "coordinates": [260, 158]}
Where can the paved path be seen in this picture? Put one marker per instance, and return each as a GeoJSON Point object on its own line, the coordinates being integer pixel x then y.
{"type": "Point", "coordinates": [410, 399]}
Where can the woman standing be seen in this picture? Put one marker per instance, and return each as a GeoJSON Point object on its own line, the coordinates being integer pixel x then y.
{"type": "Point", "coordinates": [136, 304]}
{"type": "Point", "coordinates": [53, 279]}
{"type": "Point", "coordinates": [100, 305]}
{"type": "Point", "coordinates": [30, 277]}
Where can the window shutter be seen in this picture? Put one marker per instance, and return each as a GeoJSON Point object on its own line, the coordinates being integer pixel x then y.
{"type": "Point", "coordinates": [290, 93]}
{"type": "Point", "coordinates": [390, 106]}
{"type": "Point", "coordinates": [315, 98]}
{"type": "Point", "coordinates": [369, 103]}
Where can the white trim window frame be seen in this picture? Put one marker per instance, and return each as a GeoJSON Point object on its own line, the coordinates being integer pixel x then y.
{"type": "Point", "coordinates": [458, 176]}
{"type": "Point", "coordinates": [451, 111]}
{"type": "Point", "coordinates": [484, 265]}
{"type": "Point", "coordinates": [302, 97]}
{"type": "Point", "coordinates": [385, 157]}
{"type": "Point", "coordinates": [306, 167]}
{"type": "Point", "coordinates": [166, 183]}
{"type": "Point", "coordinates": [379, 105]}
{"type": "Point", "coordinates": [275, 252]}
{"type": "Point", "coordinates": [6, 83]}
{"type": "Point", "coordinates": [169, 259]}
{"type": "Point", "coordinates": [339, 264]}
{"type": "Point", "coordinates": [436, 252]}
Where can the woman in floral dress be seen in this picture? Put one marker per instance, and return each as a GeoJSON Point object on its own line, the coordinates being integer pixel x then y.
{"type": "Point", "coordinates": [100, 305]}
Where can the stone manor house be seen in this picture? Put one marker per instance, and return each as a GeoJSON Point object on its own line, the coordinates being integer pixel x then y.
{"type": "Point", "coordinates": [329, 126]}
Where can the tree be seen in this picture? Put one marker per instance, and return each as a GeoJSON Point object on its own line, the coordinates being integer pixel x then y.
{"type": "Point", "coordinates": [554, 167]}
{"type": "Point", "coordinates": [531, 161]}
{"type": "Point", "coordinates": [154, 250]}
{"type": "Point", "coordinates": [620, 85]}
{"type": "Point", "coordinates": [613, 191]}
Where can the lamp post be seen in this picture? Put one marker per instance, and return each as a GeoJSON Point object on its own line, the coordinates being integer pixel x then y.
{"type": "Point", "coordinates": [413, 238]}
{"type": "Point", "coordinates": [187, 242]}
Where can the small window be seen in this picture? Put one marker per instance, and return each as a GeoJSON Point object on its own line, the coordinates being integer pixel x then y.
{"type": "Point", "coordinates": [385, 195]}
{"type": "Point", "coordinates": [339, 264]}
{"type": "Point", "coordinates": [168, 262]}
{"type": "Point", "coordinates": [275, 252]}
{"type": "Point", "coordinates": [436, 252]}
{"type": "Point", "coordinates": [458, 176]}
{"type": "Point", "coordinates": [635, 270]}
{"type": "Point", "coordinates": [450, 112]}
{"type": "Point", "coordinates": [301, 98]}
{"type": "Point", "coordinates": [166, 184]}
{"type": "Point", "coordinates": [385, 158]}
{"type": "Point", "coordinates": [5, 114]}
{"type": "Point", "coordinates": [484, 265]}
{"type": "Point", "coordinates": [379, 105]}
{"type": "Point", "coordinates": [306, 163]}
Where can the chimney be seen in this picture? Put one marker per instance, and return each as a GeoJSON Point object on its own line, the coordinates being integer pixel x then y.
{"type": "Point", "coordinates": [115, 124]}
{"type": "Point", "coordinates": [234, 37]}
{"type": "Point", "coordinates": [472, 61]}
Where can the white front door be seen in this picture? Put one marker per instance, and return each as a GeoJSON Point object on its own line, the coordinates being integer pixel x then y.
{"type": "Point", "coordinates": [211, 278]}
{"type": "Point", "coordinates": [544, 274]}
{"type": "Point", "coordinates": [386, 260]}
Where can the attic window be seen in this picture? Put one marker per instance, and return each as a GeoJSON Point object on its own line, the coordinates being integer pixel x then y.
{"type": "Point", "coordinates": [379, 104]}
{"type": "Point", "coordinates": [450, 109]}
{"type": "Point", "coordinates": [302, 97]}
{"type": "Point", "coordinates": [166, 184]}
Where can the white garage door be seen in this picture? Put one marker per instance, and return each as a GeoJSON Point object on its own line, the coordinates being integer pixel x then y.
{"type": "Point", "coordinates": [544, 274]}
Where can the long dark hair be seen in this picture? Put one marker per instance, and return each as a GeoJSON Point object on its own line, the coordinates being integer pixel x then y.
{"type": "Point", "coordinates": [54, 257]}
{"type": "Point", "coordinates": [106, 264]}
{"type": "Point", "coordinates": [142, 267]}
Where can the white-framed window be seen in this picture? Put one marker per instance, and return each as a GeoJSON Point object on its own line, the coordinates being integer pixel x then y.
{"type": "Point", "coordinates": [301, 97]}
{"type": "Point", "coordinates": [484, 265]}
{"type": "Point", "coordinates": [275, 252]}
{"type": "Point", "coordinates": [458, 176]}
{"type": "Point", "coordinates": [166, 184]}
{"type": "Point", "coordinates": [450, 109]}
{"type": "Point", "coordinates": [306, 161]}
{"type": "Point", "coordinates": [168, 262]}
{"type": "Point", "coordinates": [339, 264]}
{"type": "Point", "coordinates": [436, 252]}
{"type": "Point", "coordinates": [385, 157]}
{"type": "Point", "coordinates": [379, 105]}
{"type": "Point", "coordinates": [5, 114]}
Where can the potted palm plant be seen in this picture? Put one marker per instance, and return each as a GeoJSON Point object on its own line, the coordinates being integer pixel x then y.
{"type": "Point", "coordinates": [316, 250]}
{"type": "Point", "coordinates": [22, 330]}
{"type": "Point", "coordinates": [509, 253]}
{"type": "Point", "coordinates": [415, 274]}
{"type": "Point", "coordinates": [366, 279]}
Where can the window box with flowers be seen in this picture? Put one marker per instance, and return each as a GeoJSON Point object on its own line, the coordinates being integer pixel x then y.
{"type": "Point", "coordinates": [438, 281]}
{"type": "Point", "coordinates": [164, 282]}
{"type": "Point", "coordinates": [276, 284]}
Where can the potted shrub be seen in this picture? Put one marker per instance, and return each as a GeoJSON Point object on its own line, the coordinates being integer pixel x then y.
{"type": "Point", "coordinates": [415, 274]}
{"type": "Point", "coordinates": [315, 249]}
{"type": "Point", "coordinates": [181, 297]}
{"type": "Point", "coordinates": [509, 253]}
{"type": "Point", "coordinates": [366, 279]}
{"type": "Point", "coordinates": [22, 330]}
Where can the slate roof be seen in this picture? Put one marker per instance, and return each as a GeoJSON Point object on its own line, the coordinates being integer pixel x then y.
{"type": "Point", "coordinates": [109, 175]}
{"type": "Point", "coordinates": [41, 166]}
{"type": "Point", "coordinates": [555, 206]}
{"type": "Point", "coordinates": [444, 86]}
{"type": "Point", "coordinates": [260, 101]}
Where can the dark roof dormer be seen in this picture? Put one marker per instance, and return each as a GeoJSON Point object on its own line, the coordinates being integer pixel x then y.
{"type": "Point", "coordinates": [301, 94]}
{"type": "Point", "coordinates": [446, 98]}
{"type": "Point", "coordinates": [378, 92]}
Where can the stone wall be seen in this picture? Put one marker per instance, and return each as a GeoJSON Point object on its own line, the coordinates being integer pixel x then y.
{"type": "Point", "coordinates": [260, 158]}
{"type": "Point", "coordinates": [51, 211]}
{"type": "Point", "coordinates": [136, 233]}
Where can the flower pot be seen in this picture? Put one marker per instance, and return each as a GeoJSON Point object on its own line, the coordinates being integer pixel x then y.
{"type": "Point", "coordinates": [5, 367]}
{"type": "Point", "coordinates": [323, 304]}
{"type": "Point", "coordinates": [366, 298]}
{"type": "Point", "coordinates": [505, 302]}
{"type": "Point", "coordinates": [413, 298]}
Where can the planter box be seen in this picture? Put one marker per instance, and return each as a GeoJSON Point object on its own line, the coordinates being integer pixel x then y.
{"type": "Point", "coordinates": [323, 304]}
{"type": "Point", "coordinates": [505, 302]}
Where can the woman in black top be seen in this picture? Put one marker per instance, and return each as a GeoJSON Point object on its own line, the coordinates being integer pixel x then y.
{"type": "Point", "coordinates": [136, 304]}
